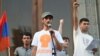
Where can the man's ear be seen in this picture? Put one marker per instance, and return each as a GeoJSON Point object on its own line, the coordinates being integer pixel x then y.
{"type": "Point", "coordinates": [22, 39]}
{"type": "Point", "coordinates": [42, 19]}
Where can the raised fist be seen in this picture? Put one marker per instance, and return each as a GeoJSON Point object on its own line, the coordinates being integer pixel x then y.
{"type": "Point", "coordinates": [75, 4]}
{"type": "Point", "coordinates": [61, 21]}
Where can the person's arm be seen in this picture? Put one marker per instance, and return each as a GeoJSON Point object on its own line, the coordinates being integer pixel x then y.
{"type": "Point", "coordinates": [58, 45]}
{"type": "Point", "coordinates": [34, 50]}
{"type": "Point", "coordinates": [61, 26]}
{"type": "Point", "coordinates": [34, 44]}
{"type": "Point", "coordinates": [16, 52]}
{"type": "Point", "coordinates": [54, 38]}
{"type": "Point", "coordinates": [58, 40]}
{"type": "Point", "coordinates": [75, 18]}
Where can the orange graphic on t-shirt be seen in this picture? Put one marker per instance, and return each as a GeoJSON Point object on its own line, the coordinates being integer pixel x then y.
{"type": "Point", "coordinates": [45, 39]}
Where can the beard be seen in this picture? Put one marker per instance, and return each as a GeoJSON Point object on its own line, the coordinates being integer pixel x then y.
{"type": "Point", "coordinates": [47, 24]}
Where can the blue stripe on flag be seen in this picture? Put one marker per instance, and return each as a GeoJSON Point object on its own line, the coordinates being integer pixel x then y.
{"type": "Point", "coordinates": [5, 30]}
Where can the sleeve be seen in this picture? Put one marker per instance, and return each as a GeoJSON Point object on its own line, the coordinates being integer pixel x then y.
{"type": "Point", "coordinates": [35, 40]}
{"type": "Point", "coordinates": [59, 37]}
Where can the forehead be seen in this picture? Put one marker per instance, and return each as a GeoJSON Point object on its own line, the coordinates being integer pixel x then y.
{"type": "Point", "coordinates": [84, 22]}
{"type": "Point", "coordinates": [48, 17]}
{"type": "Point", "coordinates": [24, 36]}
{"type": "Point", "coordinates": [66, 39]}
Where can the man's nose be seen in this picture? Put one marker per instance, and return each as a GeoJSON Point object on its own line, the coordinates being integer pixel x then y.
{"type": "Point", "coordinates": [48, 19]}
{"type": "Point", "coordinates": [87, 25]}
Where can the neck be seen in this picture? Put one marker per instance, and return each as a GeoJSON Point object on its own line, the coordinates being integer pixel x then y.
{"type": "Point", "coordinates": [26, 46]}
{"type": "Point", "coordinates": [83, 31]}
{"type": "Point", "coordinates": [46, 27]}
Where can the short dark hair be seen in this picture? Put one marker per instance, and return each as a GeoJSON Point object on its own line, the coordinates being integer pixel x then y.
{"type": "Point", "coordinates": [27, 34]}
{"type": "Point", "coordinates": [64, 38]}
{"type": "Point", "coordinates": [50, 16]}
{"type": "Point", "coordinates": [83, 19]}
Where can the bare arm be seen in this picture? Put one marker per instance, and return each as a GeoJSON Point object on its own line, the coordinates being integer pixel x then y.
{"type": "Point", "coordinates": [75, 18]}
{"type": "Point", "coordinates": [60, 30]}
{"type": "Point", "coordinates": [34, 50]}
{"type": "Point", "coordinates": [60, 26]}
{"type": "Point", "coordinates": [54, 39]}
{"type": "Point", "coordinates": [58, 45]}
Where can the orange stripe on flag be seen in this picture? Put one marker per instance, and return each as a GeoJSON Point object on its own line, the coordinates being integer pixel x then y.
{"type": "Point", "coordinates": [4, 43]}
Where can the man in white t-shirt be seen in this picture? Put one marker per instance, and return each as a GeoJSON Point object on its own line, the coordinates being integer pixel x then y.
{"type": "Point", "coordinates": [81, 37]}
{"type": "Point", "coordinates": [47, 41]}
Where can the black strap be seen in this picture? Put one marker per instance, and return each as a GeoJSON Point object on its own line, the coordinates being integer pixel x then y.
{"type": "Point", "coordinates": [54, 48]}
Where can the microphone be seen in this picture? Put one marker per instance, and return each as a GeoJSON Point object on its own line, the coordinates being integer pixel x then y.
{"type": "Point", "coordinates": [54, 48]}
{"type": "Point", "coordinates": [52, 33]}
{"type": "Point", "coordinates": [49, 25]}
{"type": "Point", "coordinates": [50, 29]}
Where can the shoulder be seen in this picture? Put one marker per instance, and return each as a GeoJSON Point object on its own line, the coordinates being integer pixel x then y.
{"type": "Point", "coordinates": [89, 36]}
{"type": "Point", "coordinates": [19, 47]}
{"type": "Point", "coordinates": [56, 31]}
{"type": "Point", "coordinates": [38, 32]}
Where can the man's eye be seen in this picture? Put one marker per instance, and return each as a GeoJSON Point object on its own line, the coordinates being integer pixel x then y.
{"type": "Point", "coordinates": [24, 38]}
{"type": "Point", "coordinates": [86, 23]}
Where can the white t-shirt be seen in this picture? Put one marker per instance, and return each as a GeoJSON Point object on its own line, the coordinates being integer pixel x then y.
{"type": "Point", "coordinates": [81, 42]}
{"type": "Point", "coordinates": [42, 40]}
{"type": "Point", "coordinates": [61, 53]}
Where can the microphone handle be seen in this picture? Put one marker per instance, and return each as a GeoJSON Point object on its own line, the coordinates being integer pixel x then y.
{"type": "Point", "coordinates": [53, 49]}
{"type": "Point", "coordinates": [51, 32]}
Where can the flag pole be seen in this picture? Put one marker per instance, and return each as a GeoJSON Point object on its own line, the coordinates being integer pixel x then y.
{"type": "Point", "coordinates": [8, 51]}
{"type": "Point", "coordinates": [0, 7]}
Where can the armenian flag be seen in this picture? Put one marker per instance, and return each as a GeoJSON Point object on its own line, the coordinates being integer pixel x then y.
{"type": "Point", "coordinates": [4, 39]}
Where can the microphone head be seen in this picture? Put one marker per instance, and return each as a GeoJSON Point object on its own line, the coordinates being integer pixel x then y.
{"type": "Point", "coordinates": [49, 25]}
